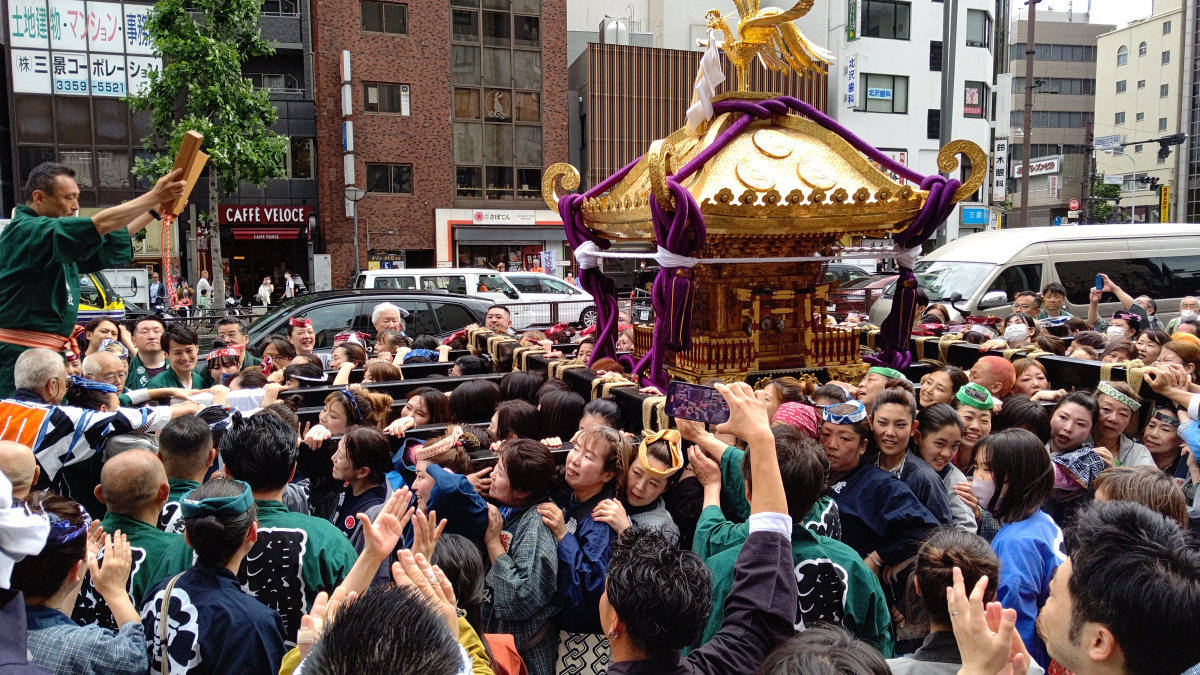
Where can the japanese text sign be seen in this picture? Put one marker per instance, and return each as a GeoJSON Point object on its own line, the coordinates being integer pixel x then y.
{"type": "Point", "coordinates": [28, 24]}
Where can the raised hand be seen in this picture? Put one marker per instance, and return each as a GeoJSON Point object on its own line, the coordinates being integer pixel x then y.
{"type": "Point", "coordinates": [480, 480]}
{"type": "Point", "coordinates": [426, 532]}
{"type": "Point", "coordinates": [315, 437]}
{"type": "Point", "coordinates": [747, 415]}
{"type": "Point", "coordinates": [707, 471]}
{"type": "Point", "coordinates": [415, 571]}
{"type": "Point", "coordinates": [380, 538]}
{"type": "Point", "coordinates": [984, 650]}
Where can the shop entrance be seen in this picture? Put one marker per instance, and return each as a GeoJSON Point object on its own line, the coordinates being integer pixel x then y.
{"type": "Point", "coordinates": [512, 256]}
{"type": "Point", "coordinates": [251, 260]}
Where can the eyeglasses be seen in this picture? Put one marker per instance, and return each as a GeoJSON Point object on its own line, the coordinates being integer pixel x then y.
{"type": "Point", "coordinates": [113, 378]}
{"type": "Point", "coordinates": [1021, 307]}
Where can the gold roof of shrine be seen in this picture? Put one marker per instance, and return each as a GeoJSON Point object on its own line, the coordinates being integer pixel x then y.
{"type": "Point", "coordinates": [780, 176]}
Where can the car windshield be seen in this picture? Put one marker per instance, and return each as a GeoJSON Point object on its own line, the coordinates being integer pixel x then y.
{"type": "Point", "coordinates": [862, 281]}
{"type": "Point", "coordinates": [269, 318]}
{"type": "Point", "coordinates": [941, 278]}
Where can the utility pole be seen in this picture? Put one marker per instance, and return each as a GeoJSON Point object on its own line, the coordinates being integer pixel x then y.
{"type": "Point", "coordinates": [1030, 50]}
{"type": "Point", "coordinates": [1086, 188]}
{"type": "Point", "coordinates": [946, 127]}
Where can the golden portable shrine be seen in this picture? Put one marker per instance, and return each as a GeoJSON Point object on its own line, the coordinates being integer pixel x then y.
{"type": "Point", "coordinates": [774, 188]}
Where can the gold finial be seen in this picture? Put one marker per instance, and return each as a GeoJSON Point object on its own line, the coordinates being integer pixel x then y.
{"type": "Point", "coordinates": [770, 36]}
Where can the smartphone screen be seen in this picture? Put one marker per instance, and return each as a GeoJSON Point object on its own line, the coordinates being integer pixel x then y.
{"type": "Point", "coordinates": [696, 402]}
{"type": "Point", "coordinates": [1099, 283]}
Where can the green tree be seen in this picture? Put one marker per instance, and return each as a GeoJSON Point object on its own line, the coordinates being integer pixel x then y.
{"type": "Point", "coordinates": [203, 44]}
{"type": "Point", "coordinates": [1102, 211]}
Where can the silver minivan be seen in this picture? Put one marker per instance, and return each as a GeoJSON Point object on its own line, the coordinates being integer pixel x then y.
{"type": "Point", "coordinates": [480, 283]}
{"type": "Point", "coordinates": [1161, 261]}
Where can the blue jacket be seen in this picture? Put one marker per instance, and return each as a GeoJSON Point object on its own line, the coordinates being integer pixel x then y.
{"type": "Point", "coordinates": [583, 556]}
{"type": "Point", "coordinates": [879, 513]}
{"type": "Point", "coordinates": [452, 496]}
{"type": "Point", "coordinates": [1029, 551]}
{"type": "Point", "coordinates": [927, 486]}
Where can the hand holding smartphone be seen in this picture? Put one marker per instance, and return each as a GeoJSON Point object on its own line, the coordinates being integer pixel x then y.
{"type": "Point", "coordinates": [696, 402]}
{"type": "Point", "coordinates": [1099, 282]}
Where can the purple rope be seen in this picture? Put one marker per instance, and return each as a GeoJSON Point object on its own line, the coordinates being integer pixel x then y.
{"type": "Point", "coordinates": [673, 288]}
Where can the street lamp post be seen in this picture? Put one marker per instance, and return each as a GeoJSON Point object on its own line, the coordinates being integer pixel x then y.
{"type": "Point", "coordinates": [1133, 191]}
{"type": "Point", "coordinates": [355, 195]}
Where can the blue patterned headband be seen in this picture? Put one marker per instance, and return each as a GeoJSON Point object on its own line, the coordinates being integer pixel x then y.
{"type": "Point", "coordinates": [84, 383]}
{"type": "Point", "coordinates": [427, 353]}
{"type": "Point", "coordinates": [857, 413]}
{"type": "Point", "coordinates": [350, 397]}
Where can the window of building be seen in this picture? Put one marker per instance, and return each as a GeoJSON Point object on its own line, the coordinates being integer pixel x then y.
{"type": "Point", "coordinates": [280, 8]}
{"type": "Point", "coordinates": [497, 78]}
{"type": "Point", "coordinates": [1052, 52]}
{"type": "Point", "coordinates": [1166, 28]}
{"type": "Point", "coordinates": [465, 25]}
{"type": "Point", "coordinates": [885, 93]}
{"type": "Point", "coordinates": [933, 124]}
{"type": "Point", "coordinates": [300, 157]}
{"type": "Point", "coordinates": [1137, 148]}
{"type": "Point", "coordinates": [1166, 57]}
{"type": "Point", "coordinates": [381, 97]}
{"type": "Point", "coordinates": [1141, 117]}
{"type": "Point", "coordinates": [1164, 90]}
{"type": "Point", "coordinates": [1120, 118]}
{"type": "Point", "coordinates": [1141, 84]}
{"type": "Point", "coordinates": [1053, 119]}
{"type": "Point", "coordinates": [395, 179]}
{"type": "Point", "coordinates": [273, 82]}
{"type": "Point", "coordinates": [979, 28]}
{"type": "Point", "coordinates": [935, 56]}
{"type": "Point", "coordinates": [1142, 49]}
{"type": "Point", "coordinates": [976, 97]}
{"type": "Point", "coordinates": [384, 17]}
{"type": "Point", "coordinates": [886, 19]}
{"type": "Point", "coordinates": [1120, 86]}
{"type": "Point", "coordinates": [1122, 55]}
{"type": "Point", "coordinates": [1162, 124]}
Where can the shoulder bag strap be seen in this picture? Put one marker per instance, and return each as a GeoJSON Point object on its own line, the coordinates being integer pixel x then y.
{"type": "Point", "coordinates": [163, 618]}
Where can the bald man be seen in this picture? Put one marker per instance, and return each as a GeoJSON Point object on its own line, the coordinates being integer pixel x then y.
{"type": "Point", "coordinates": [20, 467]}
{"type": "Point", "coordinates": [133, 485]}
{"type": "Point", "coordinates": [185, 447]}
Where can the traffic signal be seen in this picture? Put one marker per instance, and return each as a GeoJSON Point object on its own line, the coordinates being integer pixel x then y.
{"type": "Point", "coordinates": [1165, 143]}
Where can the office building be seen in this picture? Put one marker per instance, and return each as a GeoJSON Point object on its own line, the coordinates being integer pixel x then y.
{"type": "Point", "coordinates": [1064, 103]}
{"type": "Point", "coordinates": [70, 64]}
{"type": "Point", "coordinates": [452, 118]}
{"type": "Point", "coordinates": [1139, 74]}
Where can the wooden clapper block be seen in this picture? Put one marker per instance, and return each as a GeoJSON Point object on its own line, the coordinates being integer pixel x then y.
{"type": "Point", "coordinates": [191, 160]}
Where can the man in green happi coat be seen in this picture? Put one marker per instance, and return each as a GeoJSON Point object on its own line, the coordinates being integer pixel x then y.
{"type": "Point", "coordinates": [44, 249]}
{"type": "Point", "coordinates": [133, 485]}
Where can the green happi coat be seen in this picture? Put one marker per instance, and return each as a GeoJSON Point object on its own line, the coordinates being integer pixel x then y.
{"type": "Point", "coordinates": [40, 262]}
{"type": "Point", "coordinates": [833, 582]}
{"type": "Point", "coordinates": [167, 379]}
{"type": "Point", "coordinates": [289, 545]}
{"type": "Point", "coordinates": [147, 544]}
{"type": "Point", "coordinates": [138, 378]}
{"type": "Point", "coordinates": [171, 520]}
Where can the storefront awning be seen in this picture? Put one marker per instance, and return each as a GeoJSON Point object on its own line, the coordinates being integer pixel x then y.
{"type": "Point", "coordinates": [508, 234]}
{"type": "Point", "coordinates": [266, 233]}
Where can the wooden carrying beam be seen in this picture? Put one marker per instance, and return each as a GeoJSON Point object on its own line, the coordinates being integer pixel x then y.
{"type": "Point", "coordinates": [191, 160]}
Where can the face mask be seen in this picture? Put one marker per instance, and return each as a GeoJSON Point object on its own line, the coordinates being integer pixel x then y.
{"type": "Point", "coordinates": [984, 490]}
{"type": "Point", "coordinates": [1115, 333]}
{"type": "Point", "coordinates": [1016, 332]}
{"type": "Point", "coordinates": [1187, 313]}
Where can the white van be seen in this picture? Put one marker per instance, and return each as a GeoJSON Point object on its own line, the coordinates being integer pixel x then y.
{"type": "Point", "coordinates": [574, 304]}
{"type": "Point", "coordinates": [475, 282]}
{"type": "Point", "coordinates": [1161, 261]}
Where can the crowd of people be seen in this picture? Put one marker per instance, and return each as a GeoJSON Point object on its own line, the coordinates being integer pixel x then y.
{"type": "Point", "coordinates": [166, 511]}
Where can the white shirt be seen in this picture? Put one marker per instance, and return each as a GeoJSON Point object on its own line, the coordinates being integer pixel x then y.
{"type": "Point", "coordinates": [203, 285]}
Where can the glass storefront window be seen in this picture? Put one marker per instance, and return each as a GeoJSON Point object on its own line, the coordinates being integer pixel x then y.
{"type": "Point", "coordinates": [499, 182]}
{"type": "Point", "coordinates": [113, 168]}
{"type": "Point", "coordinates": [470, 182]}
{"type": "Point", "coordinates": [464, 64]}
{"type": "Point", "coordinates": [468, 143]}
{"type": "Point", "coordinates": [529, 183]}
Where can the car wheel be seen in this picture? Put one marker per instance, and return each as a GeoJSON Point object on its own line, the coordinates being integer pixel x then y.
{"type": "Point", "coordinates": [587, 317]}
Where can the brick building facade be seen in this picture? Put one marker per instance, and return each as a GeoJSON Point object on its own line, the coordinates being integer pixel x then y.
{"type": "Point", "coordinates": [428, 87]}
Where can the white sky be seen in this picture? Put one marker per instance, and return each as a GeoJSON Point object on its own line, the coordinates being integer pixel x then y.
{"type": "Point", "coordinates": [1118, 12]}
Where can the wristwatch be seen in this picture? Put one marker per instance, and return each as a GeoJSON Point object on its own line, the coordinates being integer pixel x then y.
{"type": "Point", "coordinates": [155, 214]}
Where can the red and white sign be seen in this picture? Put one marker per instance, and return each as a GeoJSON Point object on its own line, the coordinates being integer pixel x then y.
{"type": "Point", "coordinates": [1073, 204]}
{"type": "Point", "coordinates": [1037, 167]}
{"type": "Point", "coordinates": [249, 214]}
{"type": "Point", "coordinates": [245, 233]}
{"type": "Point", "coordinates": [1054, 187]}
{"type": "Point", "coordinates": [503, 217]}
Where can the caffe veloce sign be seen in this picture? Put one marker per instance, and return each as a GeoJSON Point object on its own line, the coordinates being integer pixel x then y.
{"type": "Point", "coordinates": [249, 214]}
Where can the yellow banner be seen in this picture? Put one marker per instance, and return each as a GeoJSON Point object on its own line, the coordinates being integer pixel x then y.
{"type": "Point", "coordinates": [1164, 205]}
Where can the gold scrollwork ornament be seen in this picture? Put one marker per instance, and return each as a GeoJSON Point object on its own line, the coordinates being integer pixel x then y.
{"type": "Point", "coordinates": [570, 181]}
{"type": "Point", "coordinates": [948, 162]}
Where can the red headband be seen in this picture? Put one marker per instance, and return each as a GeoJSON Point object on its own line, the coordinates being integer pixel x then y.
{"type": "Point", "coordinates": [300, 323]}
{"type": "Point", "coordinates": [356, 338]}
{"type": "Point", "coordinates": [224, 351]}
